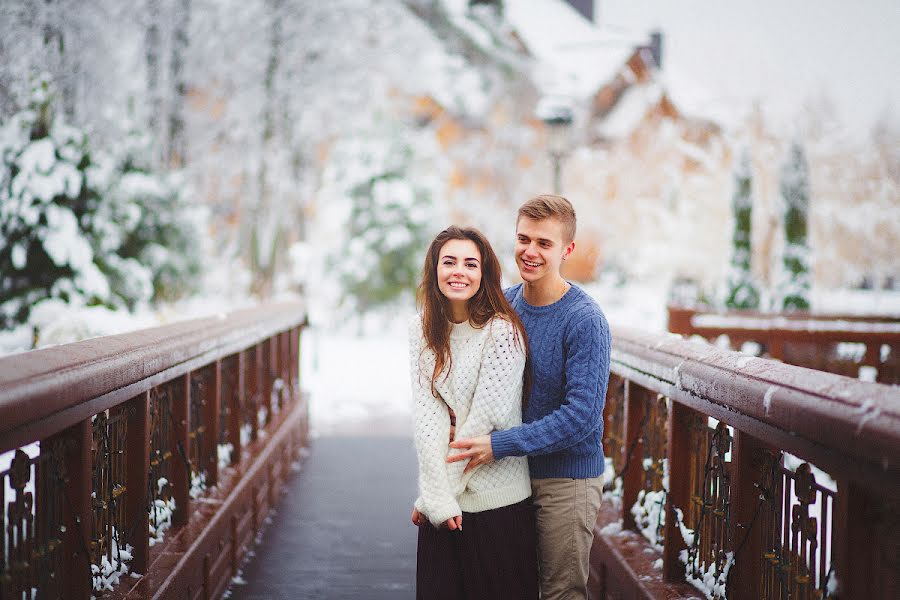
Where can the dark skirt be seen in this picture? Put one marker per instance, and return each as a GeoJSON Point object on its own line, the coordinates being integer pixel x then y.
{"type": "Point", "coordinates": [494, 557]}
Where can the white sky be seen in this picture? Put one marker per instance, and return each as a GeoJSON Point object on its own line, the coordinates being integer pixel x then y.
{"type": "Point", "coordinates": [780, 52]}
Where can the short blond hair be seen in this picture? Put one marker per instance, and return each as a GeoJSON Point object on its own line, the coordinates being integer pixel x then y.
{"type": "Point", "coordinates": [551, 206]}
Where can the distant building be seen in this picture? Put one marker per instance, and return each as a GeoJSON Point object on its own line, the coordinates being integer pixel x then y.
{"type": "Point", "coordinates": [585, 7]}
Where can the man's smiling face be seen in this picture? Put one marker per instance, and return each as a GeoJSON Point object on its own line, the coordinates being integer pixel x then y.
{"type": "Point", "coordinates": [540, 248]}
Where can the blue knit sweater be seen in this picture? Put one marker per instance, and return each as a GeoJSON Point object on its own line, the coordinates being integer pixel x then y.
{"type": "Point", "coordinates": [569, 343]}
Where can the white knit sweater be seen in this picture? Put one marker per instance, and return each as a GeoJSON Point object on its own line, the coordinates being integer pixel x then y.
{"type": "Point", "coordinates": [484, 389]}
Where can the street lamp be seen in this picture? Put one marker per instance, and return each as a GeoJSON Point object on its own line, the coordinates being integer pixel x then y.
{"type": "Point", "coordinates": [558, 119]}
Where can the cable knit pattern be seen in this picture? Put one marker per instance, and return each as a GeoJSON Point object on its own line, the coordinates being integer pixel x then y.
{"type": "Point", "coordinates": [569, 342]}
{"type": "Point", "coordinates": [484, 389]}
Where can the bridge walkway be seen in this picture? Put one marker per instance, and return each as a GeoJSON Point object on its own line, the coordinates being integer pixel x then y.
{"type": "Point", "coordinates": [341, 530]}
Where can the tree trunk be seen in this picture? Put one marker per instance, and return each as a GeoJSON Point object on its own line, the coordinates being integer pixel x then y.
{"type": "Point", "coordinates": [151, 56]}
{"type": "Point", "coordinates": [177, 145]}
{"type": "Point", "coordinates": [263, 264]}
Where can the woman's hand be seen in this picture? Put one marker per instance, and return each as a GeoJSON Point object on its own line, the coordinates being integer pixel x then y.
{"type": "Point", "coordinates": [418, 518]}
{"type": "Point", "coordinates": [454, 523]}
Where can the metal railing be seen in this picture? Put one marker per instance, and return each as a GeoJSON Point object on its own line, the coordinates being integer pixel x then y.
{"type": "Point", "coordinates": [156, 452]}
{"type": "Point", "coordinates": [749, 478]}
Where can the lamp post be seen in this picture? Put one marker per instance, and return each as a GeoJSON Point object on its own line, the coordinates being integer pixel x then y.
{"type": "Point", "coordinates": [558, 120]}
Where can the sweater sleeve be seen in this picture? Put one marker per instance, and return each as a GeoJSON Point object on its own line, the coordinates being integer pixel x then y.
{"type": "Point", "coordinates": [431, 435]}
{"type": "Point", "coordinates": [581, 411]}
{"type": "Point", "coordinates": [497, 393]}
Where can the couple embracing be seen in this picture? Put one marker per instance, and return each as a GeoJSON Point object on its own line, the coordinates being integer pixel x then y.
{"type": "Point", "coordinates": [517, 380]}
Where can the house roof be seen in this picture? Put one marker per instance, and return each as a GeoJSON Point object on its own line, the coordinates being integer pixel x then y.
{"type": "Point", "coordinates": [575, 57]}
{"type": "Point", "coordinates": [630, 109]}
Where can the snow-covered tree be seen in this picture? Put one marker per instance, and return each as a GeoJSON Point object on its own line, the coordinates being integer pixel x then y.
{"type": "Point", "coordinates": [793, 289]}
{"type": "Point", "coordinates": [45, 196]}
{"type": "Point", "coordinates": [387, 227]}
{"type": "Point", "coordinates": [78, 226]}
{"type": "Point", "coordinates": [163, 230]}
{"type": "Point", "coordinates": [741, 291]}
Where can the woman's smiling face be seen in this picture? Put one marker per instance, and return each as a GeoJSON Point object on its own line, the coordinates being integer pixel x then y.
{"type": "Point", "coordinates": [459, 270]}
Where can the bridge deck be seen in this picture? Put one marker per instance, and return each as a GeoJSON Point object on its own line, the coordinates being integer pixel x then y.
{"type": "Point", "coordinates": [342, 529]}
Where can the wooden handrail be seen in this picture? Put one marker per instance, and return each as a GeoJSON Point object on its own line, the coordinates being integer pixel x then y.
{"type": "Point", "coordinates": [47, 390]}
{"type": "Point", "coordinates": [755, 513]}
{"type": "Point", "coordinates": [132, 429]}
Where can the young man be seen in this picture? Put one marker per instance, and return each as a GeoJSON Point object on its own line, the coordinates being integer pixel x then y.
{"type": "Point", "coordinates": [569, 345]}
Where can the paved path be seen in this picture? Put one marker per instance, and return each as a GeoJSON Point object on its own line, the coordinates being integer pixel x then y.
{"type": "Point", "coordinates": [342, 529]}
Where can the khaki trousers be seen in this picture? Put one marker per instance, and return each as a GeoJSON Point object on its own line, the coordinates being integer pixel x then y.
{"type": "Point", "coordinates": [566, 513]}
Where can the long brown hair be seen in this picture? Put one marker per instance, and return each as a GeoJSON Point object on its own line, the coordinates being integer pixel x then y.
{"type": "Point", "coordinates": [487, 302]}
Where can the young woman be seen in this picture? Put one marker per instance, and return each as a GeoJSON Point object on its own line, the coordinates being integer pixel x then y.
{"type": "Point", "coordinates": [467, 352]}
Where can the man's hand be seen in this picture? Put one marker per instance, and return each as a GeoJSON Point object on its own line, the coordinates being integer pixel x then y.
{"type": "Point", "coordinates": [477, 449]}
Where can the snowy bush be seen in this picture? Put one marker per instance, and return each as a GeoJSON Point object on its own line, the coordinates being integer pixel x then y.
{"type": "Point", "coordinates": [162, 229]}
{"type": "Point", "coordinates": [741, 292]}
{"type": "Point", "coordinates": [80, 226]}
{"type": "Point", "coordinates": [387, 226]}
{"type": "Point", "coordinates": [45, 199]}
{"type": "Point", "coordinates": [793, 289]}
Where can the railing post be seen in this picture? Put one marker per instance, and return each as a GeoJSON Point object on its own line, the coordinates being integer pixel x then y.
{"type": "Point", "coordinates": [211, 418]}
{"type": "Point", "coordinates": [679, 494]}
{"type": "Point", "coordinates": [236, 409]}
{"type": "Point", "coordinates": [269, 364]}
{"type": "Point", "coordinates": [612, 431]}
{"type": "Point", "coordinates": [137, 479]}
{"type": "Point", "coordinates": [679, 320]}
{"type": "Point", "coordinates": [253, 390]}
{"type": "Point", "coordinates": [872, 358]}
{"type": "Point", "coordinates": [635, 406]}
{"type": "Point", "coordinates": [857, 537]}
{"type": "Point", "coordinates": [284, 361]}
{"type": "Point", "coordinates": [77, 517]}
{"type": "Point", "coordinates": [181, 472]}
{"type": "Point", "coordinates": [234, 554]}
{"type": "Point", "coordinates": [747, 477]}
{"type": "Point", "coordinates": [295, 360]}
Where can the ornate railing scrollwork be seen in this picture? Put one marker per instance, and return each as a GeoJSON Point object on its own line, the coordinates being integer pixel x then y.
{"type": "Point", "coordinates": [778, 482]}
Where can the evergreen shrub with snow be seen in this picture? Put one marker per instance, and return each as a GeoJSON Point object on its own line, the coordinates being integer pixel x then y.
{"type": "Point", "coordinates": [793, 290]}
{"type": "Point", "coordinates": [741, 291]}
{"type": "Point", "coordinates": [387, 235]}
{"type": "Point", "coordinates": [79, 226]}
{"type": "Point", "coordinates": [166, 235]}
{"type": "Point", "coordinates": [387, 231]}
{"type": "Point", "coordinates": [47, 193]}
